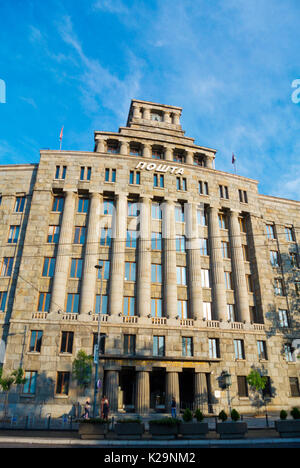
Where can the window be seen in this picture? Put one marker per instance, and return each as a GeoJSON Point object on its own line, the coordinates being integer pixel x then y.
{"type": "Point", "coordinates": [297, 288]}
{"type": "Point", "coordinates": [223, 190]}
{"type": "Point", "coordinates": [134, 178]}
{"type": "Point", "coordinates": [58, 204]}
{"type": "Point", "coordinates": [105, 239]}
{"type": "Point", "coordinates": [79, 235]}
{"type": "Point", "coordinates": [20, 203]}
{"type": "Point", "coordinates": [283, 318]}
{"type": "Point", "coordinates": [245, 252]}
{"type": "Point", "coordinates": [60, 172]}
{"type": "Point", "coordinates": [204, 246]}
{"type": "Point", "coordinates": [267, 391]}
{"type": "Point", "coordinates": [181, 275]}
{"type": "Point", "coordinates": [274, 258]}
{"type": "Point", "coordinates": [187, 346]}
{"type": "Point", "coordinates": [207, 310]}
{"type": "Point", "coordinates": [178, 157]}
{"type": "Point", "coordinates": [131, 239]}
{"type": "Point", "coordinates": [6, 266]}
{"type": "Point", "coordinates": [243, 196]}
{"type": "Point", "coordinates": [110, 175]}
{"type": "Point", "coordinates": [157, 154]}
{"type": "Point", "coordinates": [225, 249]}
{"type": "Point", "coordinates": [262, 350]}
{"type": "Point", "coordinates": [83, 205]}
{"type": "Point", "coordinates": [13, 234]}
{"type": "Point", "coordinates": [156, 116]}
{"type": "Point", "coordinates": [239, 349]}
{"type": "Point", "coordinates": [104, 304]}
{"type": "Point", "coordinates": [205, 278]}
{"type": "Point", "coordinates": [199, 160]}
{"type": "Point", "coordinates": [66, 345]}
{"type": "Point", "coordinates": [53, 234]}
{"type": "Point", "coordinates": [278, 287]}
{"type": "Point", "coordinates": [203, 187]}
{"type": "Point", "coordinates": [231, 313]}
{"type": "Point", "coordinates": [105, 269]}
{"type": "Point", "coordinates": [85, 173]}
{"type": "Point", "coordinates": [294, 386]}
{"type": "Point", "coordinates": [3, 297]}
{"type": "Point", "coordinates": [129, 344]}
{"type": "Point", "coordinates": [182, 309]}
{"type": "Point", "coordinates": [135, 150]}
{"type": "Point", "coordinates": [35, 343]}
{"type": "Point", "coordinates": [270, 231]}
{"type": "Point", "coordinates": [156, 307]}
{"type": "Point", "coordinates": [156, 273]}
{"type": "Point", "coordinates": [158, 345]}
{"type": "Point", "coordinates": [129, 306]}
{"type": "Point", "coordinates": [242, 386]}
{"type": "Point", "coordinates": [133, 209]}
{"type": "Point", "coordinates": [202, 218]}
{"type": "Point", "coordinates": [112, 147]}
{"type": "Point", "coordinates": [29, 387]}
{"type": "Point", "coordinates": [62, 383]}
{"type": "Point", "coordinates": [130, 271]}
{"type": "Point", "coordinates": [156, 241]}
{"type": "Point", "coordinates": [294, 260]}
{"type": "Point", "coordinates": [108, 207]}
{"type": "Point", "coordinates": [214, 348]}
{"type": "Point", "coordinates": [228, 280]}
{"type": "Point", "coordinates": [72, 303]}
{"type": "Point", "coordinates": [179, 213]}
{"type": "Point", "coordinates": [76, 268]}
{"type": "Point", "coordinates": [180, 243]}
{"type": "Point", "coordinates": [156, 211]}
{"type": "Point", "coordinates": [181, 183]}
{"type": "Point", "coordinates": [44, 302]}
{"type": "Point", "coordinates": [243, 225]}
{"type": "Point", "coordinates": [223, 221]}
{"type": "Point", "coordinates": [288, 352]}
{"type": "Point", "coordinates": [289, 234]}
{"type": "Point", "coordinates": [49, 267]}
{"type": "Point", "coordinates": [158, 180]}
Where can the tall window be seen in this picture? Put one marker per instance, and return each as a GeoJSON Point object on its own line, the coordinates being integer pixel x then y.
{"type": "Point", "coordinates": [156, 241]}
{"type": "Point", "coordinates": [289, 234]}
{"type": "Point", "coordinates": [72, 303]}
{"type": "Point", "coordinates": [60, 172]}
{"type": "Point", "coordinates": [110, 175]}
{"type": "Point", "coordinates": [283, 318]}
{"type": "Point", "coordinates": [83, 205]}
{"type": "Point", "coordinates": [182, 309]}
{"type": "Point", "coordinates": [231, 313]}
{"type": "Point", "coordinates": [156, 307]}
{"type": "Point", "coordinates": [202, 218]}
{"type": "Point", "coordinates": [76, 268]}
{"type": "Point", "coordinates": [129, 306]}
{"type": "Point", "coordinates": [105, 269]}
{"type": "Point", "coordinates": [242, 386]}
{"type": "Point", "coordinates": [79, 235]}
{"type": "Point", "coordinates": [13, 235]}
{"type": "Point", "coordinates": [262, 350]}
{"type": "Point", "coordinates": [53, 234]}
{"type": "Point", "coordinates": [3, 297]}
{"type": "Point", "coordinates": [108, 207]}
{"type": "Point", "coordinates": [62, 383]}
{"type": "Point", "coordinates": [274, 258]}
{"type": "Point", "coordinates": [131, 238]}
{"type": "Point", "coordinates": [243, 196]}
{"type": "Point", "coordinates": [157, 154]}
{"type": "Point", "coordinates": [203, 187]}
{"type": "Point", "coordinates": [6, 265]}
{"type": "Point", "coordinates": [187, 346]}
{"type": "Point", "coordinates": [223, 190]}
{"type": "Point", "coordinates": [294, 386]}
{"type": "Point", "coordinates": [130, 271]}
{"type": "Point", "coordinates": [214, 348]}
{"type": "Point", "coordinates": [207, 311]}
{"type": "Point", "coordinates": [223, 221]}
{"type": "Point", "coordinates": [134, 178]}
{"type": "Point", "coordinates": [35, 341]}
{"type": "Point", "coordinates": [49, 267]}
{"type": "Point", "coordinates": [85, 173]}
{"type": "Point", "coordinates": [129, 344]}
{"type": "Point", "coordinates": [156, 273]}
{"type": "Point", "coordinates": [58, 204]}
{"type": "Point", "coordinates": [181, 183]}
{"type": "Point", "coordinates": [133, 209]}
{"type": "Point", "coordinates": [66, 344]}
{"type": "Point", "coordinates": [288, 352]}
{"type": "Point", "coordinates": [180, 243]}
{"type": "Point", "coordinates": [19, 205]}
{"type": "Point", "coordinates": [204, 246]}
{"type": "Point", "coordinates": [179, 213]}
{"type": "Point", "coordinates": [181, 275]}
{"type": "Point", "coordinates": [29, 387]}
{"type": "Point", "coordinates": [228, 280]}
{"type": "Point", "coordinates": [44, 302]}
{"type": "Point", "coordinates": [239, 350]}
{"type": "Point", "coordinates": [105, 239]}
{"type": "Point", "coordinates": [156, 211]}
{"type": "Point", "coordinates": [158, 345]}
{"type": "Point", "coordinates": [270, 231]}
{"type": "Point", "coordinates": [278, 287]}
{"type": "Point", "coordinates": [158, 180]}
{"type": "Point", "coordinates": [205, 278]}
{"type": "Point", "coordinates": [104, 304]}
{"type": "Point", "coordinates": [225, 249]}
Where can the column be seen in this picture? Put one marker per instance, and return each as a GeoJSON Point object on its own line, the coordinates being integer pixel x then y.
{"type": "Point", "coordinates": [168, 154]}
{"type": "Point", "coordinates": [136, 112]}
{"type": "Point", "coordinates": [101, 145]}
{"type": "Point", "coordinates": [201, 392]}
{"type": "Point", "coordinates": [124, 148]}
{"type": "Point", "coordinates": [190, 157]}
{"type": "Point", "coordinates": [147, 152]}
{"type": "Point", "coordinates": [118, 256]}
{"type": "Point", "coordinates": [87, 296]}
{"type": "Point", "coordinates": [176, 119]}
{"type": "Point", "coordinates": [142, 399]}
{"type": "Point", "coordinates": [238, 269]}
{"type": "Point", "coordinates": [167, 117]}
{"type": "Point", "coordinates": [209, 162]}
{"type": "Point", "coordinates": [146, 113]}
{"type": "Point", "coordinates": [111, 389]}
{"type": "Point", "coordinates": [217, 269]}
{"type": "Point", "coordinates": [169, 256]}
{"type": "Point", "coordinates": [193, 262]}
{"type": "Point", "coordinates": [144, 260]}
{"type": "Point", "coordinates": [172, 389]}
{"type": "Point", "coordinates": [59, 288]}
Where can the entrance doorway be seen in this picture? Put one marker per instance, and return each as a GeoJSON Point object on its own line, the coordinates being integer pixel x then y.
{"type": "Point", "coordinates": [127, 387]}
{"type": "Point", "coordinates": [158, 389]}
{"type": "Point", "coordinates": [186, 389]}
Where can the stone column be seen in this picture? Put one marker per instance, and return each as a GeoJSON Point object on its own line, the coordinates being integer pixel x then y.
{"type": "Point", "coordinates": [87, 296]}
{"type": "Point", "coordinates": [147, 152]}
{"type": "Point", "coordinates": [217, 269]}
{"type": "Point", "coordinates": [118, 256]}
{"type": "Point", "coordinates": [209, 162]}
{"type": "Point", "coordinates": [101, 145]}
{"type": "Point", "coordinates": [167, 117]}
{"type": "Point", "coordinates": [146, 113]}
{"type": "Point", "coordinates": [201, 392]}
{"type": "Point", "coordinates": [142, 399]}
{"type": "Point", "coordinates": [136, 112]}
{"type": "Point", "coordinates": [172, 389]}
{"type": "Point", "coordinates": [124, 148]}
{"type": "Point", "coordinates": [144, 260]}
{"type": "Point", "coordinates": [193, 262]}
{"type": "Point", "coordinates": [238, 269]}
{"type": "Point", "coordinates": [176, 119]}
{"type": "Point", "coordinates": [190, 157]}
{"type": "Point", "coordinates": [169, 256]}
{"type": "Point", "coordinates": [168, 154]}
{"type": "Point", "coordinates": [59, 288]}
{"type": "Point", "coordinates": [111, 389]}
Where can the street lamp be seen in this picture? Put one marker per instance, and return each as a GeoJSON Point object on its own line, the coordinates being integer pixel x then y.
{"type": "Point", "coordinates": [97, 346]}
{"type": "Point", "coordinates": [227, 383]}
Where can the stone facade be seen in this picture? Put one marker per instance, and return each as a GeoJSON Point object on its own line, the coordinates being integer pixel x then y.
{"type": "Point", "coordinates": [200, 274]}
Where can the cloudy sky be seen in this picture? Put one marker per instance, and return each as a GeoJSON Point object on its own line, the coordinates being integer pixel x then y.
{"type": "Point", "coordinates": [229, 63]}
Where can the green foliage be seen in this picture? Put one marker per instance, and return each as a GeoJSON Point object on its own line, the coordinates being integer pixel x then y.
{"type": "Point", "coordinates": [235, 415]}
{"type": "Point", "coordinates": [187, 415]}
{"type": "Point", "coordinates": [295, 413]}
{"type": "Point", "coordinates": [199, 415]}
{"type": "Point", "coordinates": [283, 414]}
{"type": "Point", "coordinates": [128, 421]}
{"type": "Point", "coordinates": [92, 421]}
{"type": "Point", "coordinates": [15, 378]}
{"type": "Point", "coordinates": [165, 421]}
{"type": "Point", "coordinates": [18, 376]}
{"type": "Point", "coordinates": [222, 416]}
{"type": "Point", "coordinates": [256, 380]}
{"type": "Point", "coordinates": [82, 369]}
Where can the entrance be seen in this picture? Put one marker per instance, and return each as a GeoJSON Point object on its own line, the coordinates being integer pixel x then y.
{"type": "Point", "coordinates": [186, 389]}
{"type": "Point", "coordinates": [127, 387]}
{"type": "Point", "coordinates": [158, 389]}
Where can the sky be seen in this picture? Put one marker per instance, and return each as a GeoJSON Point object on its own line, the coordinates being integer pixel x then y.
{"type": "Point", "coordinates": [230, 64]}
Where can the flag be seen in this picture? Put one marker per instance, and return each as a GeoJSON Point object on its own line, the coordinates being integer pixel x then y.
{"type": "Point", "coordinates": [61, 133]}
{"type": "Point", "coordinates": [233, 158]}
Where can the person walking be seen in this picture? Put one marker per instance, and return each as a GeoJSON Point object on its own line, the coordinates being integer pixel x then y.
{"type": "Point", "coordinates": [173, 407]}
{"type": "Point", "coordinates": [105, 408]}
{"type": "Point", "coordinates": [87, 409]}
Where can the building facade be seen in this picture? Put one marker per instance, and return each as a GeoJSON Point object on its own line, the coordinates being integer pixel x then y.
{"type": "Point", "coordinates": [200, 274]}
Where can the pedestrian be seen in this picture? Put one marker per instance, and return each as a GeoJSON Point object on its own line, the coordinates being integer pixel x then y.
{"type": "Point", "coordinates": [105, 408]}
{"type": "Point", "coordinates": [173, 407]}
{"type": "Point", "coordinates": [87, 409]}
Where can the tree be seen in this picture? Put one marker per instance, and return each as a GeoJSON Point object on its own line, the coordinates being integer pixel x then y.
{"type": "Point", "coordinates": [258, 383]}
{"type": "Point", "coordinates": [82, 369]}
{"type": "Point", "coordinates": [15, 378]}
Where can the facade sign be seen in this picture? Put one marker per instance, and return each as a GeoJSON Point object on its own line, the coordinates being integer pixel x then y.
{"type": "Point", "coordinates": [160, 168]}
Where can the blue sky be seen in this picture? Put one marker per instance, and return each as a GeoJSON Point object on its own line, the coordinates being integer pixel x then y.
{"type": "Point", "coordinates": [229, 63]}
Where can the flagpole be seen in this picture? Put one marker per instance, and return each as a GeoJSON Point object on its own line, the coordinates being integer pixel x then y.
{"type": "Point", "coordinates": [61, 137]}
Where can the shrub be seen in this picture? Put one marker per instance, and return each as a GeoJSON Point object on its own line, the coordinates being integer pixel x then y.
{"type": "Point", "coordinates": [187, 415]}
{"type": "Point", "coordinates": [295, 413]}
{"type": "Point", "coordinates": [283, 414]}
{"type": "Point", "coordinates": [198, 415]}
{"type": "Point", "coordinates": [92, 421]}
{"type": "Point", "coordinates": [165, 421]}
{"type": "Point", "coordinates": [124, 421]}
{"type": "Point", "coordinates": [235, 416]}
{"type": "Point", "coordinates": [222, 416]}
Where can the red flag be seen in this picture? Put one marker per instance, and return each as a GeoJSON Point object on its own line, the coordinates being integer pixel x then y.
{"type": "Point", "coordinates": [61, 133]}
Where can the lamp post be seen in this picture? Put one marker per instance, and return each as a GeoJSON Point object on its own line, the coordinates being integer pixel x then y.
{"type": "Point", "coordinates": [227, 383]}
{"type": "Point", "coordinates": [97, 346]}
